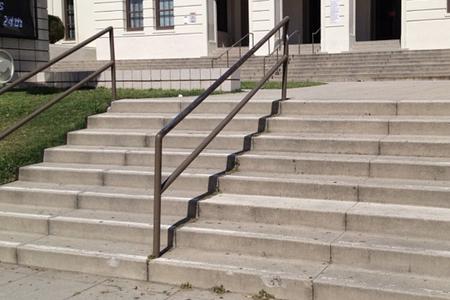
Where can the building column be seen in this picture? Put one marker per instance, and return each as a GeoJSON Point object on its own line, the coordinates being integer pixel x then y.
{"type": "Point", "coordinates": [263, 16]}
{"type": "Point", "coordinates": [337, 21]}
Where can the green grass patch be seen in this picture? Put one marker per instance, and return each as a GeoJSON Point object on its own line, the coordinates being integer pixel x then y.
{"type": "Point", "coordinates": [273, 85]}
{"type": "Point", "coordinates": [26, 145]}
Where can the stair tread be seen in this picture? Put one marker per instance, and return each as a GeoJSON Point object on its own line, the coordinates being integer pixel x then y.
{"type": "Point", "coordinates": [280, 203]}
{"type": "Point", "coordinates": [87, 189]}
{"type": "Point", "coordinates": [438, 161]}
{"type": "Point", "coordinates": [114, 218]}
{"type": "Point", "coordinates": [90, 247]}
{"type": "Point", "coordinates": [14, 238]}
{"type": "Point", "coordinates": [413, 285]}
{"type": "Point", "coordinates": [236, 263]}
{"type": "Point", "coordinates": [364, 118]}
{"type": "Point", "coordinates": [144, 132]}
{"type": "Point", "coordinates": [263, 231]}
{"type": "Point", "coordinates": [211, 116]}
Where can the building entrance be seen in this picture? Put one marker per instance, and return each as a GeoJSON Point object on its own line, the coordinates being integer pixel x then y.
{"type": "Point", "coordinates": [305, 17]}
{"type": "Point", "coordinates": [232, 22]}
{"type": "Point", "coordinates": [378, 20]}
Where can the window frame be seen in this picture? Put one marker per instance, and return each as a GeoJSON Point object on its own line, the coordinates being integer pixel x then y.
{"type": "Point", "coordinates": [67, 24]}
{"type": "Point", "coordinates": [128, 17]}
{"type": "Point", "coordinates": [158, 16]}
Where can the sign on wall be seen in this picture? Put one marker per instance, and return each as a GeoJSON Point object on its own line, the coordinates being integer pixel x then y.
{"type": "Point", "coordinates": [335, 11]}
{"type": "Point", "coordinates": [18, 18]}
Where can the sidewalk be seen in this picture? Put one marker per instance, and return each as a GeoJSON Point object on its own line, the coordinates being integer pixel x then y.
{"type": "Point", "coordinates": [17, 282]}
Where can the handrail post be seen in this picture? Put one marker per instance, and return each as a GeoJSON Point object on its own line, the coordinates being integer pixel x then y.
{"type": "Point", "coordinates": [157, 197]}
{"type": "Point", "coordinates": [286, 63]}
{"type": "Point", "coordinates": [228, 59]}
{"type": "Point", "coordinates": [113, 66]}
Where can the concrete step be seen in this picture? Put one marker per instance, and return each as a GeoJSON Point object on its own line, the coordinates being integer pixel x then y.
{"type": "Point", "coordinates": [404, 145]}
{"type": "Point", "coordinates": [365, 108]}
{"type": "Point", "coordinates": [115, 259]}
{"type": "Point", "coordinates": [134, 138]}
{"type": "Point", "coordinates": [286, 279]}
{"type": "Point", "coordinates": [394, 125]}
{"type": "Point", "coordinates": [362, 189]}
{"type": "Point", "coordinates": [10, 240]}
{"type": "Point", "coordinates": [173, 106]}
{"type": "Point", "coordinates": [340, 282]}
{"type": "Point", "coordinates": [378, 166]}
{"type": "Point", "coordinates": [203, 122]}
{"type": "Point", "coordinates": [129, 156]}
{"type": "Point", "coordinates": [112, 175]}
{"type": "Point", "coordinates": [109, 226]}
{"type": "Point", "coordinates": [104, 198]}
{"type": "Point", "coordinates": [396, 253]}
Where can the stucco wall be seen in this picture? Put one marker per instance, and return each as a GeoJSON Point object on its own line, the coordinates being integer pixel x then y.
{"type": "Point", "coordinates": [185, 40]}
{"type": "Point", "coordinates": [30, 53]}
{"type": "Point", "coordinates": [426, 24]}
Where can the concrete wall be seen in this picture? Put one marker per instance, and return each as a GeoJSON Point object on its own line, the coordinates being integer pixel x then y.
{"type": "Point", "coordinates": [426, 24]}
{"type": "Point", "coordinates": [185, 40]}
{"type": "Point", "coordinates": [29, 54]}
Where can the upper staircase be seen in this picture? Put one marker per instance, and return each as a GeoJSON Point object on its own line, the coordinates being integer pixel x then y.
{"type": "Point", "coordinates": [335, 199]}
{"type": "Point", "coordinates": [360, 65]}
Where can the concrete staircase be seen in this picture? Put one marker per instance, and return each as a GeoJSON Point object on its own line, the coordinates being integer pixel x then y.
{"type": "Point", "coordinates": [355, 66]}
{"type": "Point", "coordinates": [336, 200]}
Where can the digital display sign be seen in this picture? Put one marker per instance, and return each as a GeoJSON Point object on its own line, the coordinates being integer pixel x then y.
{"type": "Point", "coordinates": [18, 18]}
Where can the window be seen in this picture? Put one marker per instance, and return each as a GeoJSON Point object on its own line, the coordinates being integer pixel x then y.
{"type": "Point", "coordinates": [135, 15]}
{"type": "Point", "coordinates": [69, 20]}
{"type": "Point", "coordinates": [164, 14]}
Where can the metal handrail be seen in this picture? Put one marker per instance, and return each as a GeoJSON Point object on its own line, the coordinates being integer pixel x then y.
{"type": "Point", "coordinates": [299, 37]}
{"type": "Point", "coordinates": [111, 64]}
{"type": "Point", "coordinates": [161, 186]}
{"type": "Point", "coordinates": [277, 48]}
{"type": "Point", "coordinates": [227, 52]}
{"type": "Point", "coordinates": [313, 35]}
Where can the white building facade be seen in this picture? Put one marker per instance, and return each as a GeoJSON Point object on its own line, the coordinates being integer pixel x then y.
{"type": "Point", "coordinates": [152, 29]}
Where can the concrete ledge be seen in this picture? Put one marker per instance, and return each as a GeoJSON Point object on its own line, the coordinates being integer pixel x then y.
{"type": "Point", "coordinates": [178, 79]}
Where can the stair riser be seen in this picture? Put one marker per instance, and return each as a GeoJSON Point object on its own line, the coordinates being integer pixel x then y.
{"type": "Point", "coordinates": [208, 107]}
{"type": "Point", "coordinates": [275, 216]}
{"type": "Point", "coordinates": [345, 168]}
{"type": "Point", "coordinates": [67, 227]}
{"type": "Point", "coordinates": [395, 261]}
{"type": "Point", "coordinates": [110, 178]}
{"type": "Point", "coordinates": [414, 227]}
{"type": "Point", "coordinates": [25, 224]}
{"type": "Point", "coordinates": [264, 247]}
{"type": "Point", "coordinates": [8, 254]}
{"type": "Point", "coordinates": [324, 291]}
{"type": "Point", "coordinates": [283, 288]}
{"type": "Point", "coordinates": [384, 147]}
{"type": "Point", "coordinates": [158, 123]}
{"type": "Point", "coordinates": [131, 158]}
{"type": "Point", "coordinates": [419, 128]}
{"type": "Point", "coordinates": [405, 196]}
{"type": "Point", "coordinates": [141, 140]}
{"type": "Point", "coordinates": [131, 204]}
{"type": "Point", "coordinates": [338, 109]}
{"type": "Point", "coordinates": [351, 127]}
{"type": "Point", "coordinates": [38, 198]}
{"type": "Point", "coordinates": [287, 189]}
{"type": "Point", "coordinates": [316, 146]}
{"type": "Point", "coordinates": [79, 262]}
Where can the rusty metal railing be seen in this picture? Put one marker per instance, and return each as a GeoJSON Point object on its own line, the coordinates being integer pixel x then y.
{"type": "Point", "coordinates": [161, 186]}
{"type": "Point", "coordinates": [110, 65]}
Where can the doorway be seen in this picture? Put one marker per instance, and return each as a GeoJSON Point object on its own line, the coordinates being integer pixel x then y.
{"type": "Point", "coordinates": [378, 20]}
{"type": "Point", "coordinates": [305, 18]}
{"type": "Point", "coordinates": [232, 22]}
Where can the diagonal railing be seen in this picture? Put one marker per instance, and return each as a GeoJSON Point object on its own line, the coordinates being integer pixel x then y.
{"type": "Point", "coordinates": [110, 65]}
{"type": "Point", "coordinates": [161, 186]}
